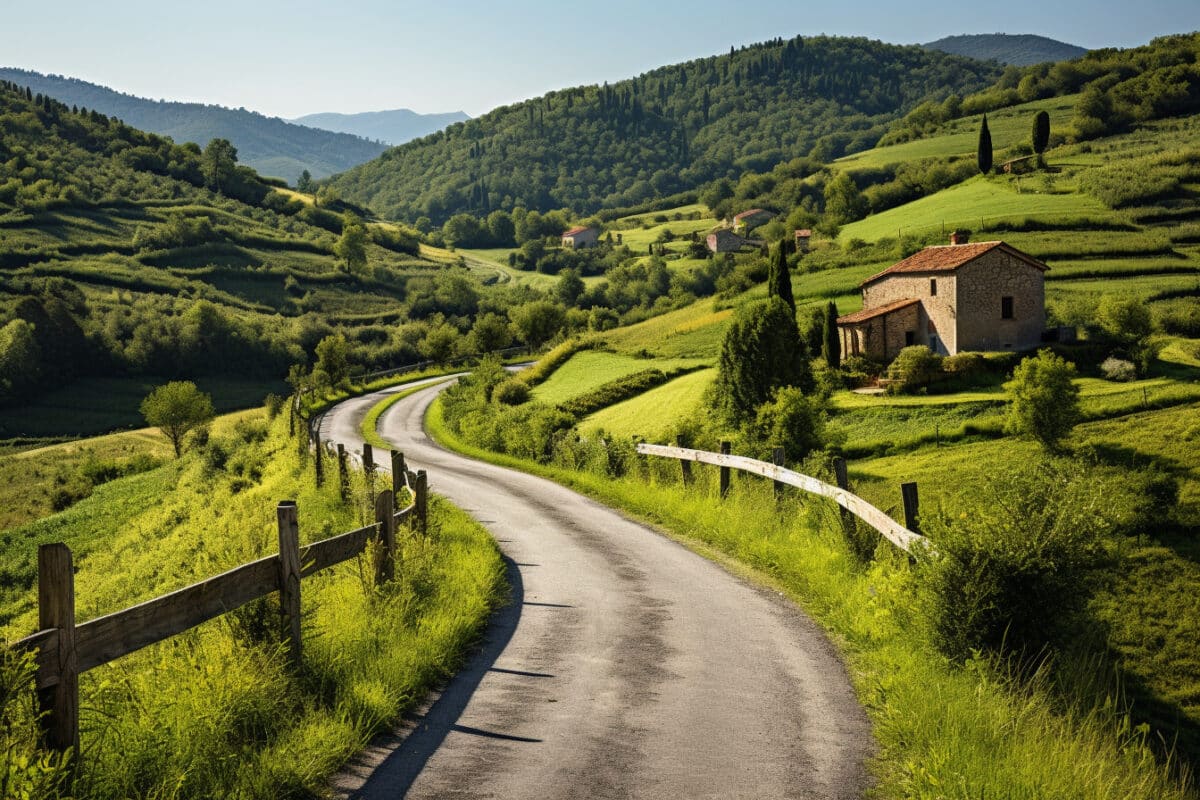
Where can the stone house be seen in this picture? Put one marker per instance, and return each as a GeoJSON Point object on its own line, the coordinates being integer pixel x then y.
{"type": "Point", "coordinates": [579, 238]}
{"type": "Point", "coordinates": [749, 220]}
{"type": "Point", "coordinates": [803, 235]}
{"type": "Point", "coordinates": [954, 298]}
{"type": "Point", "coordinates": [724, 240]}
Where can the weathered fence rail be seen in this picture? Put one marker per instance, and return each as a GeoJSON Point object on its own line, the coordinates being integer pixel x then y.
{"type": "Point", "coordinates": [63, 649]}
{"type": "Point", "coordinates": [893, 531]}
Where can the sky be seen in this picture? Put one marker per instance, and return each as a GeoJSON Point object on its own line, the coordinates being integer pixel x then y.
{"type": "Point", "coordinates": [293, 58]}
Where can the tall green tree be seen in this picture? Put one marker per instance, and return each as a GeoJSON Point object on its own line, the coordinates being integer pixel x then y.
{"type": "Point", "coordinates": [762, 351]}
{"type": "Point", "coordinates": [984, 154]}
{"type": "Point", "coordinates": [177, 408]}
{"type": "Point", "coordinates": [218, 164]}
{"type": "Point", "coordinates": [305, 182]}
{"type": "Point", "coordinates": [1041, 133]}
{"type": "Point", "coordinates": [779, 279]}
{"type": "Point", "coordinates": [352, 246]}
{"type": "Point", "coordinates": [843, 201]}
{"type": "Point", "coordinates": [831, 344]}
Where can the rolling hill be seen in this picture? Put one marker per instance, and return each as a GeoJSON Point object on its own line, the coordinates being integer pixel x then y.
{"type": "Point", "coordinates": [396, 126]}
{"type": "Point", "coordinates": [665, 131]}
{"type": "Point", "coordinates": [269, 145]}
{"type": "Point", "coordinates": [1020, 50]}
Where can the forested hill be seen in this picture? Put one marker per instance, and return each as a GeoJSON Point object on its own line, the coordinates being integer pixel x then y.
{"type": "Point", "coordinates": [1020, 50]}
{"type": "Point", "coordinates": [666, 131]}
{"type": "Point", "coordinates": [268, 144]}
{"type": "Point", "coordinates": [396, 126]}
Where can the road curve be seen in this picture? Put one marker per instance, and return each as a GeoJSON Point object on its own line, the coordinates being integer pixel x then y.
{"type": "Point", "coordinates": [626, 666]}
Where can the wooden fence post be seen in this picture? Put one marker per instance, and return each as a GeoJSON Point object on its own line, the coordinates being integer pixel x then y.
{"type": "Point", "coordinates": [319, 457]}
{"type": "Point", "coordinates": [385, 519]}
{"type": "Point", "coordinates": [56, 609]}
{"type": "Point", "coordinates": [685, 466]}
{"type": "Point", "coordinates": [368, 458]}
{"type": "Point", "coordinates": [912, 518]}
{"type": "Point", "coordinates": [842, 477]}
{"type": "Point", "coordinates": [777, 460]}
{"type": "Point", "coordinates": [343, 478]}
{"type": "Point", "coordinates": [398, 469]}
{"type": "Point", "coordinates": [289, 578]}
{"type": "Point", "coordinates": [725, 450]}
{"type": "Point", "coordinates": [292, 415]}
{"type": "Point", "coordinates": [422, 502]}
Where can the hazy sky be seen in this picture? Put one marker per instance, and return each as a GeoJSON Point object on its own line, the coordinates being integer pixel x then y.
{"type": "Point", "coordinates": [293, 58]}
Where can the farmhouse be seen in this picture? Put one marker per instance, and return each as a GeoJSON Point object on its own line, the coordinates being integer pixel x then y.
{"type": "Point", "coordinates": [579, 238]}
{"type": "Point", "coordinates": [803, 235]}
{"type": "Point", "coordinates": [951, 298]}
{"type": "Point", "coordinates": [724, 240]}
{"type": "Point", "coordinates": [748, 220]}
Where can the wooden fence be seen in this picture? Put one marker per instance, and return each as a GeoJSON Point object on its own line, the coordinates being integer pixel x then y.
{"type": "Point", "coordinates": [903, 537]}
{"type": "Point", "coordinates": [62, 649]}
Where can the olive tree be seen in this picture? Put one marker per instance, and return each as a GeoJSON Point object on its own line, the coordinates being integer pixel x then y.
{"type": "Point", "coordinates": [177, 408]}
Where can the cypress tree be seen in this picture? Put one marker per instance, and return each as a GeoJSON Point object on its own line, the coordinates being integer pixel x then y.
{"type": "Point", "coordinates": [985, 147]}
{"type": "Point", "coordinates": [779, 278]}
{"type": "Point", "coordinates": [831, 347]}
{"type": "Point", "coordinates": [1041, 133]}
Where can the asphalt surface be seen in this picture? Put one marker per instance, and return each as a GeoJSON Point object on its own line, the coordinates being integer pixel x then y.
{"type": "Point", "coordinates": [626, 666]}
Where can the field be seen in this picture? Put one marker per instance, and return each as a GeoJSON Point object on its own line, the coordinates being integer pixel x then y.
{"type": "Point", "coordinates": [591, 369]}
{"type": "Point", "coordinates": [653, 414]}
{"type": "Point", "coordinates": [1009, 127]}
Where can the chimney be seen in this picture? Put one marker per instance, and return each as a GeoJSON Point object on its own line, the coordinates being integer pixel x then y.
{"type": "Point", "coordinates": [960, 237]}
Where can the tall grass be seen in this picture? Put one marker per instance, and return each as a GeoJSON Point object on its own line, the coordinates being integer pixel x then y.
{"type": "Point", "coordinates": [943, 732]}
{"type": "Point", "coordinates": [215, 712]}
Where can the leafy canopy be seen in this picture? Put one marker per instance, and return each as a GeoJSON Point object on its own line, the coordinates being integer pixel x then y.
{"type": "Point", "coordinates": [177, 408]}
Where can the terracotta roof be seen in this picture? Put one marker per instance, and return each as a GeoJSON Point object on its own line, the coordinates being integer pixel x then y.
{"type": "Point", "coordinates": [878, 311]}
{"type": "Point", "coordinates": [949, 257]}
{"type": "Point", "coordinates": [752, 212]}
{"type": "Point", "coordinates": [803, 232]}
{"type": "Point", "coordinates": [574, 231]}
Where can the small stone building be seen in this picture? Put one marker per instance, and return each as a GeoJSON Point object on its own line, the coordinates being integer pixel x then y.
{"type": "Point", "coordinates": [985, 296]}
{"type": "Point", "coordinates": [751, 219]}
{"type": "Point", "coordinates": [724, 240]}
{"type": "Point", "coordinates": [803, 236]}
{"type": "Point", "coordinates": [579, 238]}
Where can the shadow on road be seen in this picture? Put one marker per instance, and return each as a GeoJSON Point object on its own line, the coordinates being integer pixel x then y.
{"type": "Point", "coordinates": [396, 774]}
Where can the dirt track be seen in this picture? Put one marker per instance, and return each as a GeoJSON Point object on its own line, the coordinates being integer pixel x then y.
{"type": "Point", "coordinates": [626, 665]}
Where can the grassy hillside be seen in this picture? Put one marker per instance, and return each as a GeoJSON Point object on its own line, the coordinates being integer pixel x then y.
{"type": "Point", "coordinates": [216, 712]}
{"type": "Point", "coordinates": [269, 145]}
{"type": "Point", "coordinates": [668, 130]}
{"type": "Point", "coordinates": [127, 260]}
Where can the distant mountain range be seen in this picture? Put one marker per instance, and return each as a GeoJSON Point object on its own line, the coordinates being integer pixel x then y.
{"type": "Point", "coordinates": [391, 127]}
{"type": "Point", "coordinates": [1017, 49]}
{"type": "Point", "coordinates": [270, 145]}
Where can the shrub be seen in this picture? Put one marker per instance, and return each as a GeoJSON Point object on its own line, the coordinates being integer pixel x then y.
{"type": "Point", "coordinates": [512, 392]}
{"type": "Point", "coordinates": [967, 365]}
{"type": "Point", "coordinates": [792, 421]}
{"type": "Point", "coordinates": [860, 370]}
{"type": "Point", "coordinates": [1014, 569]}
{"type": "Point", "coordinates": [1116, 369]}
{"type": "Point", "coordinates": [274, 404]}
{"type": "Point", "coordinates": [614, 392]}
{"type": "Point", "coordinates": [1044, 401]}
{"type": "Point", "coordinates": [914, 368]}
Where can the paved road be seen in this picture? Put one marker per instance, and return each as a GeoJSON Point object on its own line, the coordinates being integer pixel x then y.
{"type": "Point", "coordinates": [625, 667]}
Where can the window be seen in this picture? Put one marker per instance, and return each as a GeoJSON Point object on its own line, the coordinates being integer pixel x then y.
{"type": "Point", "coordinates": [933, 287]}
{"type": "Point", "coordinates": [1006, 308]}
{"type": "Point", "coordinates": [910, 338]}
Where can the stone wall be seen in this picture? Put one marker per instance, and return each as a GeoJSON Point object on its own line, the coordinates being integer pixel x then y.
{"type": "Point", "coordinates": [936, 319]}
{"type": "Point", "coordinates": [982, 284]}
{"type": "Point", "coordinates": [882, 337]}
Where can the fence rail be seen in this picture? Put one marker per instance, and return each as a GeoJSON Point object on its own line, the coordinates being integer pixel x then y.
{"type": "Point", "coordinates": [893, 531]}
{"type": "Point", "coordinates": [62, 649]}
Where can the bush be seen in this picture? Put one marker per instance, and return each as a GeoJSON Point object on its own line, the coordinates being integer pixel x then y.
{"type": "Point", "coordinates": [512, 392]}
{"type": "Point", "coordinates": [1014, 569]}
{"type": "Point", "coordinates": [967, 365]}
{"type": "Point", "coordinates": [860, 370]}
{"type": "Point", "coordinates": [914, 368]}
{"type": "Point", "coordinates": [792, 421]}
{"type": "Point", "coordinates": [1116, 369]}
{"type": "Point", "coordinates": [1044, 401]}
{"type": "Point", "coordinates": [614, 392]}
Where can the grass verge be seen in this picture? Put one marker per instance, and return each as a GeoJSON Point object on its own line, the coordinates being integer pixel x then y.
{"type": "Point", "coordinates": [942, 731]}
{"type": "Point", "coordinates": [215, 712]}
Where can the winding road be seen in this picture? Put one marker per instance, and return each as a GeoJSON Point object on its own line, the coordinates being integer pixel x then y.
{"type": "Point", "coordinates": [626, 666]}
